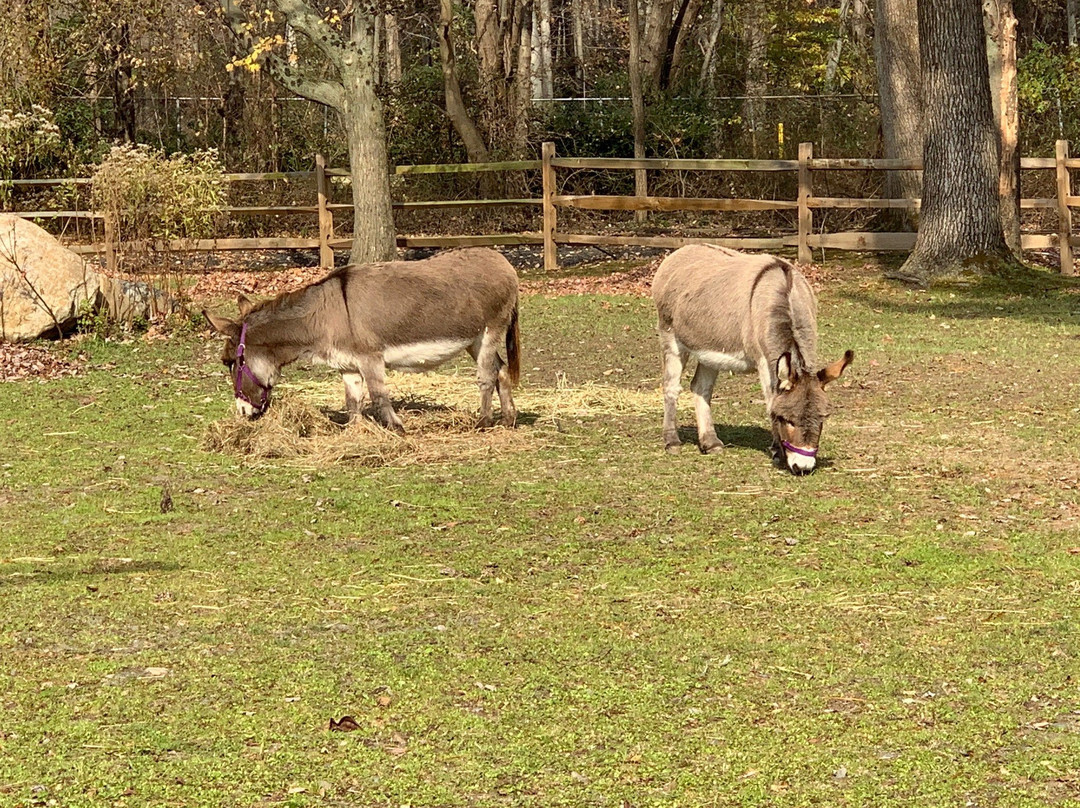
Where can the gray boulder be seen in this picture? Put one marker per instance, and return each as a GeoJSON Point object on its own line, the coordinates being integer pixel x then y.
{"type": "Point", "coordinates": [43, 285]}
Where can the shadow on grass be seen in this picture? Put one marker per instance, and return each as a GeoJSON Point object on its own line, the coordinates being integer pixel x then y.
{"type": "Point", "coordinates": [98, 567]}
{"type": "Point", "coordinates": [742, 437]}
{"type": "Point", "coordinates": [1027, 294]}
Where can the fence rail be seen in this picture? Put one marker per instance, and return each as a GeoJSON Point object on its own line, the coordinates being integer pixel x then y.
{"type": "Point", "coordinates": [804, 239]}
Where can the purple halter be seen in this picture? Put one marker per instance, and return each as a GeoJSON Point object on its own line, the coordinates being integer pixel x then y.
{"type": "Point", "coordinates": [798, 450]}
{"type": "Point", "coordinates": [243, 370]}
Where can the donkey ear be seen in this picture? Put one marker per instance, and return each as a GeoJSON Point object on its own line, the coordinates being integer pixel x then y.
{"type": "Point", "coordinates": [785, 377]}
{"type": "Point", "coordinates": [831, 373]}
{"type": "Point", "coordinates": [244, 305]}
{"type": "Point", "coordinates": [223, 325]}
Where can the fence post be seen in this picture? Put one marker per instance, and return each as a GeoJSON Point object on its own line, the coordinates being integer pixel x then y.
{"type": "Point", "coordinates": [110, 245]}
{"type": "Point", "coordinates": [551, 255]}
{"type": "Point", "coordinates": [1064, 188]}
{"type": "Point", "coordinates": [806, 216]}
{"type": "Point", "coordinates": [326, 216]}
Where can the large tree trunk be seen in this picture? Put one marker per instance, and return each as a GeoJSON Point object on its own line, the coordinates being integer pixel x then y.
{"type": "Point", "coordinates": [354, 58]}
{"type": "Point", "coordinates": [373, 215]}
{"type": "Point", "coordinates": [961, 219]}
{"type": "Point", "coordinates": [896, 50]}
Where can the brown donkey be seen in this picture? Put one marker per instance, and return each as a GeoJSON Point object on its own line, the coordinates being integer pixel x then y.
{"type": "Point", "coordinates": [736, 312]}
{"type": "Point", "coordinates": [403, 315]}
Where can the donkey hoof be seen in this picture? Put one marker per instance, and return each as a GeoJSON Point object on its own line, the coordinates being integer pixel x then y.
{"type": "Point", "coordinates": [712, 448]}
{"type": "Point", "coordinates": [485, 423]}
{"type": "Point", "coordinates": [673, 448]}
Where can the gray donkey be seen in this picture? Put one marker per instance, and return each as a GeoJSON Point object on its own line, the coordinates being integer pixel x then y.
{"type": "Point", "coordinates": [737, 312]}
{"type": "Point", "coordinates": [359, 320]}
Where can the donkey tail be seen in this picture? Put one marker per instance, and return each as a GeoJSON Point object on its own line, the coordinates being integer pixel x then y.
{"type": "Point", "coordinates": [513, 347]}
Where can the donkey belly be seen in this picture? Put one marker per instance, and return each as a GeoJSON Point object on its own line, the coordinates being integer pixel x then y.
{"type": "Point", "coordinates": [417, 357]}
{"type": "Point", "coordinates": [733, 362]}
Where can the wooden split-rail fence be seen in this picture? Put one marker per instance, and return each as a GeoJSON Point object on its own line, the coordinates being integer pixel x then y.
{"type": "Point", "coordinates": [805, 239]}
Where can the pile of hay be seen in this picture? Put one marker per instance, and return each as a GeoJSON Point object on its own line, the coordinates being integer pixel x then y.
{"type": "Point", "coordinates": [305, 423]}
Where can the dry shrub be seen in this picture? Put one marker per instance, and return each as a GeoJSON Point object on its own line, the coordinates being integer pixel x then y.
{"type": "Point", "coordinates": [439, 412]}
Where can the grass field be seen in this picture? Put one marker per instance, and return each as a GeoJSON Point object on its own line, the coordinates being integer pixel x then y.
{"type": "Point", "coordinates": [563, 615]}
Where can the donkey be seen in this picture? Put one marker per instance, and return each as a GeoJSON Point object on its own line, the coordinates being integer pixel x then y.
{"type": "Point", "coordinates": [736, 312]}
{"type": "Point", "coordinates": [404, 315]}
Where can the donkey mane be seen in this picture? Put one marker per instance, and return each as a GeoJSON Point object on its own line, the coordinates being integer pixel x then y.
{"type": "Point", "coordinates": [299, 306]}
{"type": "Point", "coordinates": [793, 317]}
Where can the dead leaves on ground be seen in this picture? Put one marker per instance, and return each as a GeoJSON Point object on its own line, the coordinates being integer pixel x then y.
{"type": "Point", "coordinates": [18, 362]}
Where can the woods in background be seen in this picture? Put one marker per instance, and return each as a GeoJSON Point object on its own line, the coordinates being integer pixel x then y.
{"type": "Point", "coordinates": [490, 79]}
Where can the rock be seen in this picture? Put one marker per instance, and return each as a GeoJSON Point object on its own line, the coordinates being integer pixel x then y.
{"type": "Point", "coordinates": [43, 285]}
{"type": "Point", "coordinates": [129, 300]}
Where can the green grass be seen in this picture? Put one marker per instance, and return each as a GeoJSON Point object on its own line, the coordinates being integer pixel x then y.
{"type": "Point", "coordinates": [591, 622]}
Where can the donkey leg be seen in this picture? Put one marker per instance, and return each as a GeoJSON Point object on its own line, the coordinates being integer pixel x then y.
{"type": "Point", "coordinates": [674, 361]}
{"type": "Point", "coordinates": [768, 389]}
{"type": "Point", "coordinates": [374, 373]}
{"type": "Point", "coordinates": [702, 387]}
{"type": "Point", "coordinates": [506, 398]}
{"type": "Point", "coordinates": [354, 393]}
{"type": "Point", "coordinates": [488, 365]}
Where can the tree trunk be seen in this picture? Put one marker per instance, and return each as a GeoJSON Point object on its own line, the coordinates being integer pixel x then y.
{"type": "Point", "coordinates": [637, 102]}
{"type": "Point", "coordinates": [354, 58]}
{"type": "Point", "coordinates": [860, 26]}
{"type": "Point", "coordinates": [577, 15]}
{"type": "Point", "coordinates": [681, 32]}
{"type": "Point", "coordinates": [373, 215]}
{"type": "Point", "coordinates": [393, 50]}
{"type": "Point", "coordinates": [547, 83]}
{"type": "Point", "coordinates": [961, 218]}
{"type": "Point", "coordinates": [122, 86]}
{"type": "Point", "coordinates": [756, 41]}
{"type": "Point", "coordinates": [1000, 25]}
{"type": "Point", "coordinates": [456, 110]}
{"type": "Point", "coordinates": [712, 37]}
{"type": "Point", "coordinates": [896, 49]}
{"type": "Point", "coordinates": [654, 41]}
{"type": "Point", "coordinates": [521, 96]}
{"type": "Point", "coordinates": [498, 41]}
{"type": "Point", "coordinates": [832, 63]}
{"type": "Point", "coordinates": [232, 117]}
{"type": "Point", "coordinates": [1070, 22]}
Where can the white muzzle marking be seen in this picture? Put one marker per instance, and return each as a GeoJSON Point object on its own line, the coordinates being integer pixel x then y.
{"type": "Point", "coordinates": [800, 462]}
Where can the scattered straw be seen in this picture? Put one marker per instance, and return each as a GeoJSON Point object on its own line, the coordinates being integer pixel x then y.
{"type": "Point", "coordinates": [439, 411]}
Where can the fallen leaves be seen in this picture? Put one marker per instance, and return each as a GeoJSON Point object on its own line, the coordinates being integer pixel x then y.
{"type": "Point", "coordinates": [19, 362]}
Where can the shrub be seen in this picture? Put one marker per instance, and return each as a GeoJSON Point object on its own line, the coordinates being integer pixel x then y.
{"type": "Point", "coordinates": [26, 140]}
{"type": "Point", "coordinates": [147, 195]}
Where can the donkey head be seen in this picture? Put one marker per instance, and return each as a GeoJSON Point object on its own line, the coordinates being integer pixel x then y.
{"type": "Point", "coordinates": [798, 411]}
{"type": "Point", "coordinates": [251, 368]}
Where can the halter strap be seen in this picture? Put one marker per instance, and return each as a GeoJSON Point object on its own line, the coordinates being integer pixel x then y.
{"type": "Point", "coordinates": [798, 449]}
{"type": "Point", "coordinates": [243, 370]}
